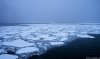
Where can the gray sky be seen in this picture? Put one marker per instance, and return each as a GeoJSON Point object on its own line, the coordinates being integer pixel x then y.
{"type": "Point", "coordinates": [49, 11]}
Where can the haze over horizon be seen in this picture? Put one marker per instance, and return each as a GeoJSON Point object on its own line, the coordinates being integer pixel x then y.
{"type": "Point", "coordinates": [49, 11]}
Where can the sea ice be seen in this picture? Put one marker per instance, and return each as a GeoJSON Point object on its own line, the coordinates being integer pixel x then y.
{"type": "Point", "coordinates": [61, 34]}
{"type": "Point", "coordinates": [18, 43]}
{"type": "Point", "coordinates": [8, 56]}
{"type": "Point", "coordinates": [2, 51]}
{"type": "Point", "coordinates": [43, 36]}
{"type": "Point", "coordinates": [56, 43]}
{"type": "Point", "coordinates": [85, 36]}
{"type": "Point", "coordinates": [50, 38]}
{"type": "Point", "coordinates": [64, 39]}
{"type": "Point", "coordinates": [27, 50]}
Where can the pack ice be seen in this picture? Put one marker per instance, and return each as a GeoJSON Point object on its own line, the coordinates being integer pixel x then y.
{"type": "Point", "coordinates": [36, 39]}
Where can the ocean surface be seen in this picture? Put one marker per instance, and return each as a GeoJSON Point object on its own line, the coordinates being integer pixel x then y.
{"type": "Point", "coordinates": [79, 48]}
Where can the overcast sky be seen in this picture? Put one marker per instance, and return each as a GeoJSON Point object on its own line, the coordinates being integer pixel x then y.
{"type": "Point", "coordinates": [49, 11]}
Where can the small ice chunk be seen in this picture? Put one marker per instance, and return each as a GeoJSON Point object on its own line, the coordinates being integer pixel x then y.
{"type": "Point", "coordinates": [62, 34]}
{"type": "Point", "coordinates": [36, 38]}
{"type": "Point", "coordinates": [72, 31]}
{"type": "Point", "coordinates": [3, 51]}
{"type": "Point", "coordinates": [84, 32]}
{"type": "Point", "coordinates": [64, 39]}
{"type": "Point", "coordinates": [85, 36]}
{"type": "Point", "coordinates": [18, 43]}
{"type": "Point", "coordinates": [50, 38]}
{"type": "Point", "coordinates": [7, 36]}
{"type": "Point", "coordinates": [56, 43]}
{"type": "Point", "coordinates": [32, 38]}
{"type": "Point", "coordinates": [8, 56]}
{"type": "Point", "coordinates": [27, 50]}
{"type": "Point", "coordinates": [43, 36]}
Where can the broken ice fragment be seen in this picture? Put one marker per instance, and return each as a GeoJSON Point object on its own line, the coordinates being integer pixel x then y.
{"type": "Point", "coordinates": [3, 51]}
{"type": "Point", "coordinates": [43, 36]}
{"type": "Point", "coordinates": [8, 56]}
{"type": "Point", "coordinates": [64, 39]}
{"type": "Point", "coordinates": [56, 43]}
{"type": "Point", "coordinates": [27, 50]}
{"type": "Point", "coordinates": [85, 36]}
{"type": "Point", "coordinates": [18, 43]}
{"type": "Point", "coordinates": [61, 34]}
{"type": "Point", "coordinates": [50, 38]}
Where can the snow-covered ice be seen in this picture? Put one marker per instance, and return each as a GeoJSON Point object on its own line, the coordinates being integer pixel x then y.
{"type": "Point", "coordinates": [62, 34]}
{"type": "Point", "coordinates": [8, 56]}
{"type": "Point", "coordinates": [50, 38]}
{"type": "Point", "coordinates": [27, 50]}
{"type": "Point", "coordinates": [18, 43]}
{"type": "Point", "coordinates": [64, 39]}
{"type": "Point", "coordinates": [56, 43]}
{"type": "Point", "coordinates": [3, 51]}
{"type": "Point", "coordinates": [85, 36]}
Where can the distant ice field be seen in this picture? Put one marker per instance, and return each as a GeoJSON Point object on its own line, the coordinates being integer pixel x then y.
{"type": "Point", "coordinates": [35, 39]}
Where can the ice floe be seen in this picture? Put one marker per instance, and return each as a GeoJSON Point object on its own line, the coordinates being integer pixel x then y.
{"type": "Point", "coordinates": [56, 43]}
{"type": "Point", "coordinates": [85, 36]}
{"type": "Point", "coordinates": [50, 38]}
{"type": "Point", "coordinates": [2, 51]}
{"type": "Point", "coordinates": [18, 43]}
{"type": "Point", "coordinates": [8, 56]}
{"type": "Point", "coordinates": [64, 39]}
{"type": "Point", "coordinates": [27, 50]}
{"type": "Point", "coordinates": [61, 34]}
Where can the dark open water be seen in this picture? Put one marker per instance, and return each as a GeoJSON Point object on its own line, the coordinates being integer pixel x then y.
{"type": "Point", "coordinates": [78, 49]}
